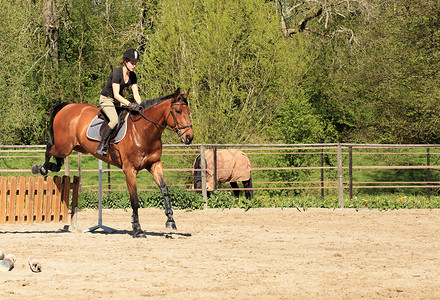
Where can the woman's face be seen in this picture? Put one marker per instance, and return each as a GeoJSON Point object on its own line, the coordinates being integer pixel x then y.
{"type": "Point", "coordinates": [131, 65]}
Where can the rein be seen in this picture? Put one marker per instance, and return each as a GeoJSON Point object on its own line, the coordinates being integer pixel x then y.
{"type": "Point", "coordinates": [177, 129]}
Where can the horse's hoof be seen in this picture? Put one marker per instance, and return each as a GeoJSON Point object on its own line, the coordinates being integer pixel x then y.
{"type": "Point", "coordinates": [139, 234]}
{"type": "Point", "coordinates": [43, 171]}
{"type": "Point", "coordinates": [170, 225]}
{"type": "Point", "coordinates": [54, 167]}
{"type": "Point", "coordinates": [36, 169]}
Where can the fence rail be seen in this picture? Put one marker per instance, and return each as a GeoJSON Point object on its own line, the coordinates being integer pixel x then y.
{"type": "Point", "coordinates": [341, 168]}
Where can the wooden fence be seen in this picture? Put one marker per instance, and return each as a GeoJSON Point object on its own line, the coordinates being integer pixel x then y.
{"type": "Point", "coordinates": [37, 199]}
{"type": "Point", "coordinates": [329, 169]}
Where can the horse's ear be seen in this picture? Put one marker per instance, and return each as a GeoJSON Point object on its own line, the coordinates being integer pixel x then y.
{"type": "Point", "coordinates": [177, 93]}
{"type": "Point", "coordinates": [187, 93]}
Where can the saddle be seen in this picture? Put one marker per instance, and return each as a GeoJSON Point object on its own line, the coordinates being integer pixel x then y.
{"type": "Point", "coordinates": [95, 128]}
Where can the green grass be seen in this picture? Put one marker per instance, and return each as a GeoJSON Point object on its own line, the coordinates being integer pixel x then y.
{"type": "Point", "coordinates": [381, 202]}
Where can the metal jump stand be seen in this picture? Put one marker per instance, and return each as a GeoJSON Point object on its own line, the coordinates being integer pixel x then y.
{"type": "Point", "coordinates": [100, 226]}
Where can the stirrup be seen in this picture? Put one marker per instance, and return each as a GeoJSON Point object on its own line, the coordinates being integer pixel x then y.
{"type": "Point", "coordinates": [102, 150]}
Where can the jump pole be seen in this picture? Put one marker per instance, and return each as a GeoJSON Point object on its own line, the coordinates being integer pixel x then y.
{"type": "Point", "coordinates": [105, 228]}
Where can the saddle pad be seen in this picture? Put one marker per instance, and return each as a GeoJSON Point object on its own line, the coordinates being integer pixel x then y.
{"type": "Point", "coordinates": [93, 130]}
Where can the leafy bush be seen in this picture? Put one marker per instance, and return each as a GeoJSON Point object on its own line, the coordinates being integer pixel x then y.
{"type": "Point", "coordinates": [388, 202]}
{"type": "Point", "coordinates": [221, 199]}
{"type": "Point", "coordinates": [88, 199]}
{"type": "Point", "coordinates": [180, 199]}
{"type": "Point", "coordinates": [116, 200]}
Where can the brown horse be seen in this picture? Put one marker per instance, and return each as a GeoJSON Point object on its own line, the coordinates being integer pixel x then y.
{"type": "Point", "coordinates": [225, 165]}
{"type": "Point", "coordinates": [141, 148]}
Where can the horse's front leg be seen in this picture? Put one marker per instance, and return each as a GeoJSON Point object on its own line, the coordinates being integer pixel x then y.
{"type": "Point", "coordinates": [130, 178]}
{"type": "Point", "coordinates": [234, 185]}
{"type": "Point", "coordinates": [157, 171]}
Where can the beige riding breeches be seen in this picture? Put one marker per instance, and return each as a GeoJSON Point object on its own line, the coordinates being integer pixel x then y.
{"type": "Point", "coordinates": [108, 107]}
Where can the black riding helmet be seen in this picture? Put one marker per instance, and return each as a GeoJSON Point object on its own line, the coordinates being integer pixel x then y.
{"type": "Point", "coordinates": [131, 55]}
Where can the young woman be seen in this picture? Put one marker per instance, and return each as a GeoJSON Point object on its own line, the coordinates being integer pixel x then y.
{"type": "Point", "coordinates": [111, 95]}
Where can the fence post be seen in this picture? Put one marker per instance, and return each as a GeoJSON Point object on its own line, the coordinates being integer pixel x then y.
{"type": "Point", "coordinates": [340, 181]}
{"type": "Point", "coordinates": [79, 173]}
{"type": "Point", "coordinates": [350, 171]}
{"type": "Point", "coordinates": [322, 173]}
{"type": "Point", "coordinates": [56, 204]}
{"type": "Point", "coordinates": [203, 167]}
{"type": "Point", "coordinates": [13, 191]}
{"type": "Point", "coordinates": [30, 199]}
{"type": "Point", "coordinates": [215, 168]}
{"type": "Point", "coordinates": [74, 205]}
{"type": "Point", "coordinates": [109, 185]}
{"type": "Point", "coordinates": [100, 172]}
{"type": "Point", "coordinates": [20, 199]}
{"type": "Point", "coordinates": [3, 192]}
{"type": "Point", "coordinates": [66, 166]}
{"type": "Point", "coordinates": [428, 162]}
{"type": "Point", "coordinates": [38, 204]}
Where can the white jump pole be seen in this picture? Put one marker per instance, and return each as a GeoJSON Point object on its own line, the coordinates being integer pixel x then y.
{"type": "Point", "coordinates": [105, 228]}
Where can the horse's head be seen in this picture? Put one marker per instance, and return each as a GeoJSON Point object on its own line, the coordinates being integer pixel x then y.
{"type": "Point", "coordinates": [180, 121]}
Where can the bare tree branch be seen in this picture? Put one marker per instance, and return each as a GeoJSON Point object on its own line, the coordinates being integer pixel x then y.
{"type": "Point", "coordinates": [325, 12]}
{"type": "Point", "coordinates": [51, 31]}
{"type": "Point", "coordinates": [312, 15]}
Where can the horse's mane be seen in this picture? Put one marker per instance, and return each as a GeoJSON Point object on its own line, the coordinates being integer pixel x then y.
{"type": "Point", "coordinates": [148, 103]}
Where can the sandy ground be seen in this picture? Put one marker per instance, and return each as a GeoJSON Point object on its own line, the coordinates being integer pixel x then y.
{"type": "Point", "coordinates": [230, 254]}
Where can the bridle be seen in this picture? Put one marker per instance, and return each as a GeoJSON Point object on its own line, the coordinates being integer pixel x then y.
{"type": "Point", "coordinates": [177, 129]}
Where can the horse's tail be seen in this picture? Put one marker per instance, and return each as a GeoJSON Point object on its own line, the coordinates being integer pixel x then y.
{"type": "Point", "coordinates": [251, 192]}
{"type": "Point", "coordinates": [197, 173]}
{"type": "Point", "coordinates": [55, 110]}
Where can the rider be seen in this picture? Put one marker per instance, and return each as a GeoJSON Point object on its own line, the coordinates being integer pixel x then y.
{"type": "Point", "coordinates": [111, 95]}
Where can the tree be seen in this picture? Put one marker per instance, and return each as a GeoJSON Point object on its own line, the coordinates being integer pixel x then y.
{"type": "Point", "coordinates": [21, 50]}
{"type": "Point", "coordinates": [56, 51]}
{"type": "Point", "coordinates": [352, 70]}
{"type": "Point", "coordinates": [228, 53]}
{"type": "Point", "coordinates": [50, 24]}
{"type": "Point", "coordinates": [321, 17]}
{"type": "Point", "coordinates": [384, 90]}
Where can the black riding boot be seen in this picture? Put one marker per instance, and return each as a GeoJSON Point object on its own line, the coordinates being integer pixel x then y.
{"type": "Point", "coordinates": [103, 145]}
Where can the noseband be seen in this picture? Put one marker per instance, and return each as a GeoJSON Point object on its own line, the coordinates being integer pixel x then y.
{"type": "Point", "coordinates": [177, 129]}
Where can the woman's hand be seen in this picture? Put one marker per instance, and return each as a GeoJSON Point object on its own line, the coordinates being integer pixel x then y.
{"type": "Point", "coordinates": [134, 107]}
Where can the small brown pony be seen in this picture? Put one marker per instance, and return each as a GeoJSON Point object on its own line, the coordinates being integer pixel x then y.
{"type": "Point", "coordinates": [141, 148]}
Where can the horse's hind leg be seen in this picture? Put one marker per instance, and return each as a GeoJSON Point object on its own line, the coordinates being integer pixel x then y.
{"type": "Point", "coordinates": [130, 177]}
{"type": "Point", "coordinates": [48, 166]}
{"type": "Point", "coordinates": [248, 185]}
{"type": "Point", "coordinates": [56, 167]}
